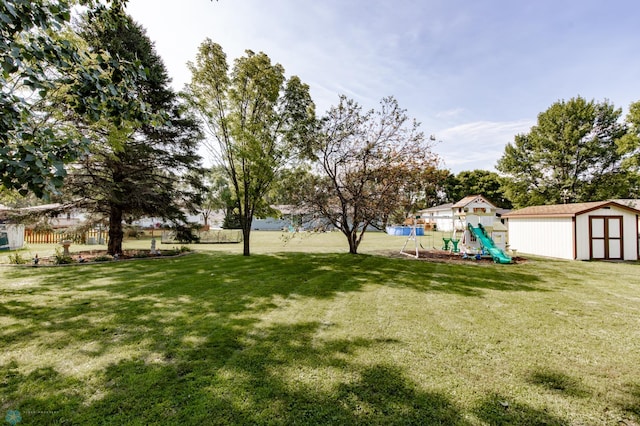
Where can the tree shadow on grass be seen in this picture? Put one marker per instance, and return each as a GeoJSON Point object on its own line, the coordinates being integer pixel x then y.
{"type": "Point", "coordinates": [458, 278]}
{"type": "Point", "coordinates": [277, 375]}
{"type": "Point", "coordinates": [178, 341]}
{"type": "Point", "coordinates": [313, 275]}
{"type": "Point", "coordinates": [382, 395]}
{"type": "Point", "coordinates": [631, 402]}
{"type": "Point", "coordinates": [558, 382]}
{"type": "Point", "coordinates": [499, 410]}
{"type": "Point", "coordinates": [43, 396]}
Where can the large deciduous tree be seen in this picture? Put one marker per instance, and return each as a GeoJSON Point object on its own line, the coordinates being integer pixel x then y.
{"type": "Point", "coordinates": [255, 118]}
{"type": "Point", "coordinates": [137, 168]}
{"type": "Point", "coordinates": [365, 166]}
{"type": "Point", "coordinates": [629, 144]}
{"type": "Point", "coordinates": [629, 148]}
{"type": "Point", "coordinates": [472, 182]}
{"type": "Point", "coordinates": [40, 57]}
{"type": "Point", "coordinates": [569, 156]}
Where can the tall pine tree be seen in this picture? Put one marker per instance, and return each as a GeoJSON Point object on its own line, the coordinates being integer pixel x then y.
{"type": "Point", "coordinates": [138, 168]}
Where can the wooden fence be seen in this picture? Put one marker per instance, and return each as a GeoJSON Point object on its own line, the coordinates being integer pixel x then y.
{"type": "Point", "coordinates": [49, 237]}
{"type": "Point", "coordinates": [214, 236]}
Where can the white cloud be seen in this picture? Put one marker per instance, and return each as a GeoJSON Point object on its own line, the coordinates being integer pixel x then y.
{"type": "Point", "coordinates": [477, 145]}
{"type": "Point", "coordinates": [451, 113]}
{"type": "Point", "coordinates": [469, 71]}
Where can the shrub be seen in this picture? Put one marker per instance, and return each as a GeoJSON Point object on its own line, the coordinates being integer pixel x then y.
{"type": "Point", "coordinates": [17, 259]}
{"type": "Point", "coordinates": [61, 258]}
{"type": "Point", "coordinates": [103, 258]}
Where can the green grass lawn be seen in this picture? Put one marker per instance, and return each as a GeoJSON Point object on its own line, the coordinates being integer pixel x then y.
{"type": "Point", "coordinates": [303, 333]}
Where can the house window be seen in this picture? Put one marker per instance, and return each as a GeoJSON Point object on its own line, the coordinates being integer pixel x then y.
{"type": "Point", "coordinates": [479, 210]}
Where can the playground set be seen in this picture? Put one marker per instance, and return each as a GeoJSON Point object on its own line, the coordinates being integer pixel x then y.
{"type": "Point", "coordinates": [474, 242]}
{"type": "Point", "coordinates": [476, 232]}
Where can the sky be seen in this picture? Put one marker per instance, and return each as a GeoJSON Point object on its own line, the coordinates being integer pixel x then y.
{"type": "Point", "coordinates": [474, 73]}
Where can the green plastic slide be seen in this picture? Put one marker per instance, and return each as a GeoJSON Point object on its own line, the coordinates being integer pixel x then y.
{"type": "Point", "coordinates": [497, 254]}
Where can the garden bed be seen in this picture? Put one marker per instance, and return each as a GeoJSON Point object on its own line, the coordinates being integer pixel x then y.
{"type": "Point", "coordinates": [94, 256]}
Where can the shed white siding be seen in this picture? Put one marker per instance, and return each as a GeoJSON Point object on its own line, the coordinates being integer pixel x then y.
{"type": "Point", "coordinates": [582, 231]}
{"type": "Point", "coordinates": [629, 233]}
{"type": "Point", "coordinates": [15, 235]}
{"type": "Point", "coordinates": [552, 236]}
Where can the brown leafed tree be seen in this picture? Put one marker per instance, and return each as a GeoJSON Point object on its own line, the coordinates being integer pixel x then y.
{"type": "Point", "coordinates": [364, 167]}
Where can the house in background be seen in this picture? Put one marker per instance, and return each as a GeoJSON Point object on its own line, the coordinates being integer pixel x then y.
{"type": "Point", "coordinates": [440, 217]}
{"type": "Point", "coordinates": [474, 209]}
{"type": "Point", "coordinates": [57, 215]}
{"type": "Point", "coordinates": [448, 217]}
{"type": "Point", "coordinates": [606, 230]}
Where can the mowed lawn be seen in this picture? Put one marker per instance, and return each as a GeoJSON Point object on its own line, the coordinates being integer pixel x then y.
{"type": "Point", "coordinates": [304, 333]}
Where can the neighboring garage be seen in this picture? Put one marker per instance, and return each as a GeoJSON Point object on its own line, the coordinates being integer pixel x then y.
{"type": "Point", "coordinates": [604, 230]}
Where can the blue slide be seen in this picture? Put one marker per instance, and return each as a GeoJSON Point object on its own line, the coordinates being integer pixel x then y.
{"type": "Point", "coordinates": [498, 255]}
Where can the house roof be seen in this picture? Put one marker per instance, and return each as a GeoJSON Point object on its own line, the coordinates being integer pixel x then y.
{"type": "Point", "coordinates": [470, 199]}
{"type": "Point", "coordinates": [447, 206]}
{"type": "Point", "coordinates": [565, 210]}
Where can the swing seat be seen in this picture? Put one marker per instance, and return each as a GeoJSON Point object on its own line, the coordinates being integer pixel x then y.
{"type": "Point", "coordinates": [446, 243]}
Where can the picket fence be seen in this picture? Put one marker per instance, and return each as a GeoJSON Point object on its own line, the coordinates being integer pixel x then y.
{"type": "Point", "coordinates": [49, 237]}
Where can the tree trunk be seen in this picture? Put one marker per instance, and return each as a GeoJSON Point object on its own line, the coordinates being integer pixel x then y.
{"type": "Point", "coordinates": [115, 231]}
{"type": "Point", "coordinates": [352, 236]}
{"type": "Point", "coordinates": [246, 232]}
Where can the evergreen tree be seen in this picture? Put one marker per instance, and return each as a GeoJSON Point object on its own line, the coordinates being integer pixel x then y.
{"type": "Point", "coordinates": [138, 168]}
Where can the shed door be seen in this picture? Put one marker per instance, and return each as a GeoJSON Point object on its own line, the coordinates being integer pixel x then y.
{"type": "Point", "coordinates": [606, 237]}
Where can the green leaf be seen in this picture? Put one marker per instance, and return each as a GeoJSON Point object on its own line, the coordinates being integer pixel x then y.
{"type": "Point", "coordinates": [5, 19]}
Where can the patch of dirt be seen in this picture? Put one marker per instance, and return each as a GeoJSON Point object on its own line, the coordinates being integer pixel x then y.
{"type": "Point", "coordinates": [448, 257]}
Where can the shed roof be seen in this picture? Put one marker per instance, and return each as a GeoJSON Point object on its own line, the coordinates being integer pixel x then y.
{"type": "Point", "coordinates": [565, 210]}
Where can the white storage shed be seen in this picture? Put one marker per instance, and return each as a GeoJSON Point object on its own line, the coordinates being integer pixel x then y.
{"type": "Point", "coordinates": [604, 230]}
{"type": "Point", "coordinates": [11, 236]}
